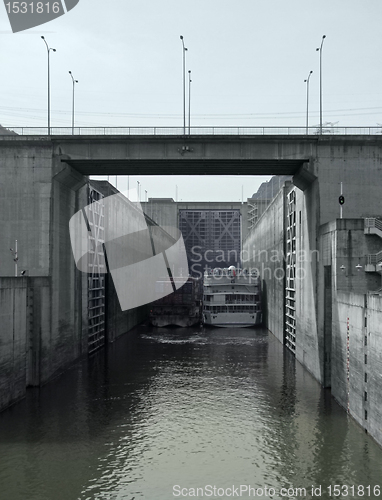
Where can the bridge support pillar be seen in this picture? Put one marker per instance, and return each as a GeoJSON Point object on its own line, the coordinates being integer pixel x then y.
{"type": "Point", "coordinates": [67, 175]}
{"type": "Point", "coordinates": [304, 177]}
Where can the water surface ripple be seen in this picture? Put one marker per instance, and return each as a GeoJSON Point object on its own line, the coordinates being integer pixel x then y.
{"type": "Point", "coordinates": [186, 407]}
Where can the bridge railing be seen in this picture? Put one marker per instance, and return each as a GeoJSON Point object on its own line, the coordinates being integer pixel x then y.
{"type": "Point", "coordinates": [179, 131]}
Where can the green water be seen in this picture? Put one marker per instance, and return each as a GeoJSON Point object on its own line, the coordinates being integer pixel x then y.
{"type": "Point", "coordinates": [166, 413]}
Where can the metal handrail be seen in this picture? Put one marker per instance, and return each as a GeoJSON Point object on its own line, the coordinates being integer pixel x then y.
{"type": "Point", "coordinates": [374, 259]}
{"type": "Point", "coordinates": [369, 222]}
{"type": "Point", "coordinates": [179, 131]}
{"type": "Point", "coordinates": [373, 222]}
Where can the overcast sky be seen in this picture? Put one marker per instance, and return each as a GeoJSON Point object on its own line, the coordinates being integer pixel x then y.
{"type": "Point", "coordinates": [248, 58]}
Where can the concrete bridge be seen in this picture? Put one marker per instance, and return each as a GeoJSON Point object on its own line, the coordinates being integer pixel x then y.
{"type": "Point", "coordinates": [329, 159]}
{"type": "Point", "coordinates": [196, 155]}
{"type": "Point", "coordinates": [34, 167]}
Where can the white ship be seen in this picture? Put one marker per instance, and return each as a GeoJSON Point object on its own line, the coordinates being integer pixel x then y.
{"type": "Point", "coordinates": [231, 297]}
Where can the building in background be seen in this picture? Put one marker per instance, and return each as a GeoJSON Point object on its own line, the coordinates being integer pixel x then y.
{"type": "Point", "coordinates": [212, 238]}
{"type": "Point", "coordinates": [214, 231]}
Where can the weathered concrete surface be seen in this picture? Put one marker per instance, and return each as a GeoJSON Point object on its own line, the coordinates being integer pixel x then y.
{"type": "Point", "coordinates": [119, 322]}
{"type": "Point", "coordinates": [264, 249]}
{"type": "Point", "coordinates": [320, 251]}
{"type": "Point", "coordinates": [34, 209]}
{"type": "Point", "coordinates": [309, 346]}
{"type": "Point", "coordinates": [13, 339]}
{"type": "Point", "coordinates": [343, 243]}
{"type": "Point", "coordinates": [39, 329]}
{"type": "Point", "coordinates": [348, 350]}
{"type": "Point", "coordinates": [25, 207]}
{"type": "Point", "coordinates": [44, 325]}
{"type": "Point", "coordinates": [64, 343]}
{"type": "Point", "coordinates": [25, 325]}
{"type": "Point", "coordinates": [357, 358]}
{"type": "Point", "coordinates": [374, 369]}
{"type": "Point", "coordinates": [269, 237]}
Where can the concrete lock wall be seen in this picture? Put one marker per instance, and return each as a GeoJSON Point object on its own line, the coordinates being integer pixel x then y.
{"type": "Point", "coordinates": [268, 238]}
{"type": "Point", "coordinates": [357, 358]}
{"type": "Point", "coordinates": [309, 345]}
{"type": "Point", "coordinates": [374, 368]}
{"type": "Point", "coordinates": [264, 249]}
{"type": "Point", "coordinates": [64, 343]}
{"type": "Point", "coordinates": [119, 322]}
{"type": "Point", "coordinates": [39, 315]}
{"type": "Point", "coordinates": [356, 163]}
{"type": "Point", "coordinates": [35, 205]}
{"type": "Point", "coordinates": [25, 208]}
{"type": "Point", "coordinates": [13, 339]}
{"type": "Point", "coordinates": [320, 253]}
{"type": "Point", "coordinates": [44, 315]}
{"type": "Point", "coordinates": [343, 246]}
{"type": "Point", "coordinates": [25, 326]}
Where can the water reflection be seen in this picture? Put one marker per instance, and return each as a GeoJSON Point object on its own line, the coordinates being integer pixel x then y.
{"type": "Point", "coordinates": [187, 407]}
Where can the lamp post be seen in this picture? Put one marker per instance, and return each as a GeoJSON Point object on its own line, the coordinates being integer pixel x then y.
{"type": "Point", "coordinates": [189, 101]}
{"type": "Point", "coordinates": [48, 50]}
{"type": "Point", "coordinates": [320, 49]}
{"type": "Point", "coordinates": [307, 102]}
{"type": "Point", "coordinates": [74, 82]}
{"type": "Point", "coordinates": [184, 85]}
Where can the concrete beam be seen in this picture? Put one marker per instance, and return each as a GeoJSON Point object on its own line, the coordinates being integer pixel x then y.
{"type": "Point", "coordinates": [184, 166]}
{"type": "Point", "coordinates": [304, 177]}
{"type": "Point", "coordinates": [65, 174]}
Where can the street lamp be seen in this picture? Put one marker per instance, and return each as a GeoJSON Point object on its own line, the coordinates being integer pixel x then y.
{"type": "Point", "coordinates": [74, 82]}
{"type": "Point", "coordinates": [184, 85]}
{"type": "Point", "coordinates": [189, 101]}
{"type": "Point", "coordinates": [320, 49]}
{"type": "Point", "coordinates": [307, 102]}
{"type": "Point", "coordinates": [48, 50]}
